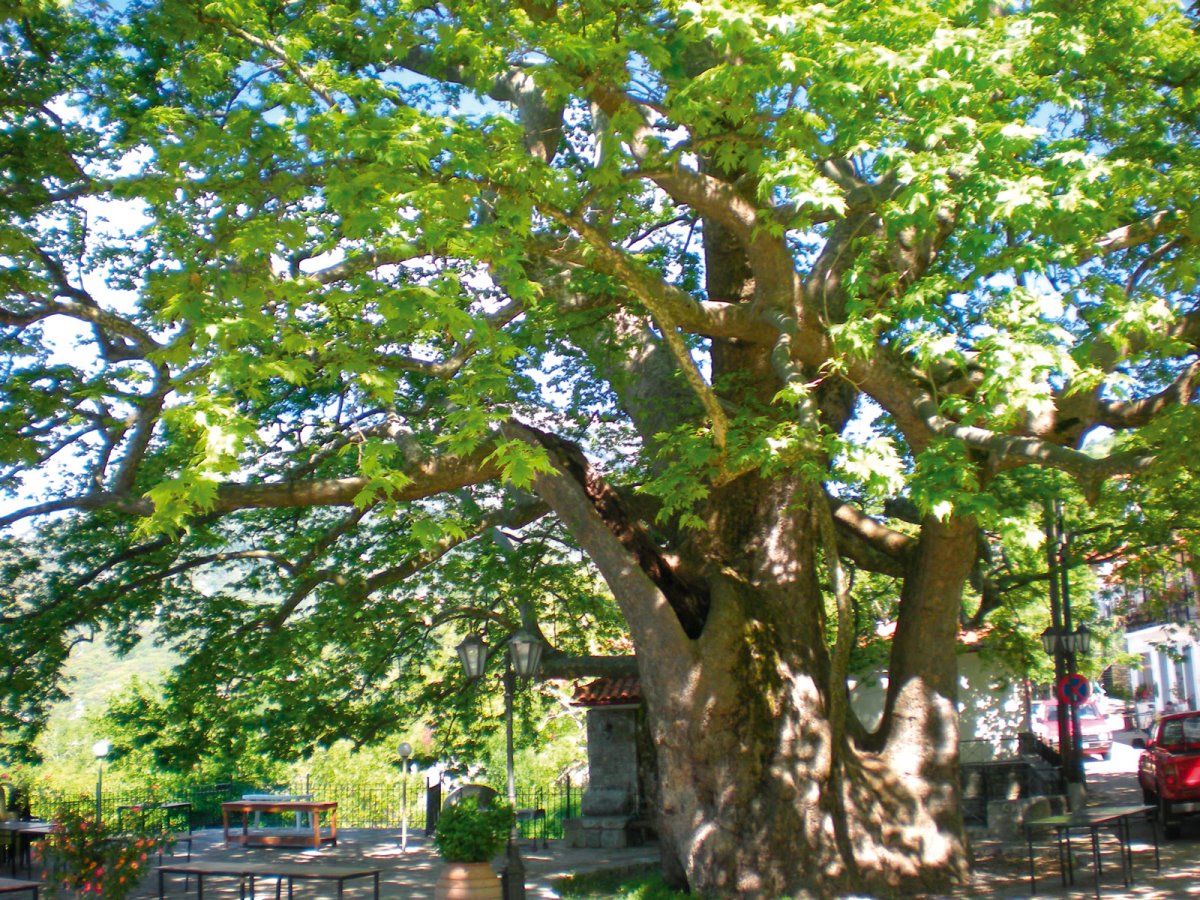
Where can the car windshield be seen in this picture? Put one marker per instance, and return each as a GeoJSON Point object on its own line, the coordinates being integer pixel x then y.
{"type": "Point", "coordinates": [1086, 711]}
{"type": "Point", "coordinates": [1178, 732]}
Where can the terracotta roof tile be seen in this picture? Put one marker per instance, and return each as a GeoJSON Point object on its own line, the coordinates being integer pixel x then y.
{"type": "Point", "coordinates": [609, 692]}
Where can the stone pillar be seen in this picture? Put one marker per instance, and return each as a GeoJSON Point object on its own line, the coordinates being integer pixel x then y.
{"type": "Point", "coordinates": [612, 762]}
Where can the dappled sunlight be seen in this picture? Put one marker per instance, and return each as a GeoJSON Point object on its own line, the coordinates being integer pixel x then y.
{"type": "Point", "coordinates": [404, 874]}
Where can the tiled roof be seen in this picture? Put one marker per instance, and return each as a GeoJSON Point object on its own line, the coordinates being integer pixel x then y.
{"type": "Point", "coordinates": [609, 692]}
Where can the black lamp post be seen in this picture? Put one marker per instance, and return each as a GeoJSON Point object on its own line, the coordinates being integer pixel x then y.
{"type": "Point", "coordinates": [1061, 641]}
{"type": "Point", "coordinates": [524, 661]}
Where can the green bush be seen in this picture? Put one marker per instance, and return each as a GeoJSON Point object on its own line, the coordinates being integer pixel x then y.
{"type": "Point", "coordinates": [616, 886]}
{"type": "Point", "coordinates": [467, 833]}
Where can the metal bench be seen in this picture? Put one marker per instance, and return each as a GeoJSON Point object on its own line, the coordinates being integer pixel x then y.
{"type": "Point", "coordinates": [247, 873]}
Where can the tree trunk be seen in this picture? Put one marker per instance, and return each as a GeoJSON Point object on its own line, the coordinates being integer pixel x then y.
{"type": "Point", "coordinates": [760, 797]}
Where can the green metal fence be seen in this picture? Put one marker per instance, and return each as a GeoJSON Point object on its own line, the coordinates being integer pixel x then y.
{"type": "Point", "coordinates": [361, 804]}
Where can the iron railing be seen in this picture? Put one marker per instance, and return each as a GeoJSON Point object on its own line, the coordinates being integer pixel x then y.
{"type": "Point", "coordinates": [361, 804]}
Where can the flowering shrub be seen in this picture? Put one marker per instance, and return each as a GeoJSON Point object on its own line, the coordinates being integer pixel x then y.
{"type": "Point", "coordinates": [87, 858]}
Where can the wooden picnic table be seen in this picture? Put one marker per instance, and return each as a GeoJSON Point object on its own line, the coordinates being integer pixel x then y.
{"type": "Point", "coordinates": [293, 839]}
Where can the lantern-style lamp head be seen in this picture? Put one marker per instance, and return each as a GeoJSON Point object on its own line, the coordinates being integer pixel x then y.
{"type": "Point", "coordinates": [1050, 640]}
{"type": "Point", "coordinates": [100, 749]}
{"type": "Point", "coordinates": [526, 653]}
{"type": "Point", "coordinates": [473, 654]}
{"type": "Point", "coordinates": [405, 750]}
{"type": "Point", "coordinates": [1083, 639]}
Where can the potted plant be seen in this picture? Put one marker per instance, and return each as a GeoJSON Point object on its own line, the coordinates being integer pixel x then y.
{"type": "Point", "coordinates": [468, 836]}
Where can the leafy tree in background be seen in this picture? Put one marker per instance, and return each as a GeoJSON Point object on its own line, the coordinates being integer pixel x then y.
{"type": "Point", "coordinates": [397, 303]}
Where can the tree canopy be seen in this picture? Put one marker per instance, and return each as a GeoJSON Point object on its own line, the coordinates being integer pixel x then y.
{"type": "Point", "coordinates": [332, 331]}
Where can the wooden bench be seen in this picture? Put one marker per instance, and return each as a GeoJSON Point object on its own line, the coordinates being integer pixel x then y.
{"type": "Point", "coordinates": [13, 885]}
{"type": "Point", "coordinates": [247, 873]}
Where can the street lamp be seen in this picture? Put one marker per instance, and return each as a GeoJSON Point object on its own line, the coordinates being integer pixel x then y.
{"type": "Point", "coordinates": [526, 652]}
{"type": "Point", "coordinates": [1050, 641]}
{"type": "Point", "coordinates": [1061, 645]}
{"type": "Point", "coordinates": [524, 660]}
{"type": "Point", "coordinates": [1055, 640]}
{"type": "Point", "coordinates": [1079, 641]}
{"type": "Point", "coordinates": [405, 750]}
{"type": "Point", "coordinates": [100, 750]}
{"type": "Point", "coordinates": [472, 652]}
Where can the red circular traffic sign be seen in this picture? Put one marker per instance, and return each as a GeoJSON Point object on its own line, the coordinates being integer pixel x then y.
{"type": "Point", "coordinates": [1073, 688]}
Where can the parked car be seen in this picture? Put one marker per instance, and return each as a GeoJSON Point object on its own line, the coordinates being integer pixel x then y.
{"type": "Point", "coordinates": [1169, 769]}
{"type": "Point", "coordinates": [1093, 726]}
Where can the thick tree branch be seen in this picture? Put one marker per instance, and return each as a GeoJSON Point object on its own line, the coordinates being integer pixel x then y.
{"type": "Point", "coordinates": [712, 198]}
{"type": "Point", "coordinates": [1134, 413]}
{"type": "Point", "coordinates": [364, 263]}
{"type": "Point", "coordinates": [869, 543]}
{"type": "Point", "coordinates": [1132, 235]}
{"type": "Point", "coordinates": [653, 597]}
{"type": "Point", "coordinates": [649, 289]}
{"type": "Point", "coordinates": [541, 121]}
{"type": "Point", "coordinates": [427, 477]}
{"type": "Point", "coordinates": [709, 318]}
{"type": "Point", "coordinates": [556, 664]}
{"type": "Point", "coordinates": [1018, 449]}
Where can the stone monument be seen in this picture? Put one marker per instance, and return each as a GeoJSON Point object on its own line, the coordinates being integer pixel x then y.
{"type": "Point", "coordinates": [621, 777]}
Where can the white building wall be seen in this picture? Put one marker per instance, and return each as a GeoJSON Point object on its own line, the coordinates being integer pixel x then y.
{"type": "Point", "coordinates": [1169, 656]}
{"type": "Point", "coordinates": [991, 704]}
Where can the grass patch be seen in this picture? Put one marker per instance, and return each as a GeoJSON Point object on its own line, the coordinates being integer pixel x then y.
{"type": "Point", "coordinates": [616, 886]}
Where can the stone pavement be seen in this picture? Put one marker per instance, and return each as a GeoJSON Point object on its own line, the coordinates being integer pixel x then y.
{"type": "Point", "coordinates": [1002, 868]}
{"type": "Point", "coordinates": [1001, 871]}
{"type": "Point", "coordinates": [410, 874]}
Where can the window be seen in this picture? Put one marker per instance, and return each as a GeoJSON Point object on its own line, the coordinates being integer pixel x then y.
{"type": "Point", "coordinates": [1191, 730]}
{"type": "Point", "coordinates": [1172, 733]}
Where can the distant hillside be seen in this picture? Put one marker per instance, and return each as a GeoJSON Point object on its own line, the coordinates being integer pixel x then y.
{"type": "Point", "coordinates": [95, 672]}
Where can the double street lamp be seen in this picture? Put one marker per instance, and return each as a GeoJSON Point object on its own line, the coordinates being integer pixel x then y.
{"type": "Point", "coordinates": [1061, 645]}
{"type": "Point", "coordinates": [1058, 640]}
{"type": "Point", "coordinates": [524, 660]}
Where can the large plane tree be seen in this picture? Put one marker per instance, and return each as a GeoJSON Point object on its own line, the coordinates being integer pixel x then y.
{"type": "Point", "coordinates": [736, 298]}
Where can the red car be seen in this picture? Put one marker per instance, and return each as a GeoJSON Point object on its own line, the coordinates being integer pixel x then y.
{"type": "Point", "coordinates": [1095, 733]}
{"type": "Point", "coordinates": [1169, 769]}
